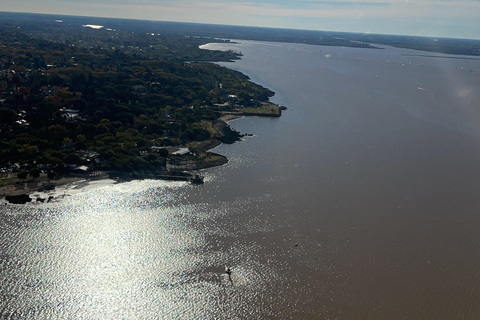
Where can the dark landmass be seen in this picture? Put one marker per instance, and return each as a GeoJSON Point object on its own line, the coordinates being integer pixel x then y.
{"type": "Point", "coordinates": [197, 31]}
{"type": "Point", "coordinates": [77, 101]}
{"type": "Point", "coordinates": [431, 44]}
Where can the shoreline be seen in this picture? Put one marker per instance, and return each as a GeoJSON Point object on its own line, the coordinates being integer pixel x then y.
{"type": "Point", "coordinates": [23, 191]}
{"type": "Point", "coordinates": [42, 189]}
{"type": "Point", "coordinates": [29, 187]}
{"type": "Point", "coordinates": [183, 172]}
{"type": "Point", "coordinates": [19, 189]}
{"type": "Point", "coordinates": [227, 118]}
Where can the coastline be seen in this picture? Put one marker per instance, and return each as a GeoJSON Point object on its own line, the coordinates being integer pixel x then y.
{"type": "Point", "coordinates": [45, 187]}
{"type": "Point", "coordinates": [29, 187]}
{"type": "Point", "coordinates": [42, 189]}
{"type": "Point", "coordinates": [227, 118]}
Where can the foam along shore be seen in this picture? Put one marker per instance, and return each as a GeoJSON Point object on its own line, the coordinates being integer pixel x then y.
{"type": "Point", "coordinates": [27, 187]}
{"type": "Point", "coordinates": [43, 190]}
{"type": "Point", "coordinates": [63, 187]}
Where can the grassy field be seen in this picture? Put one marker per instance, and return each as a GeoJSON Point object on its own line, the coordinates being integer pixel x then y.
{"type": "Point", "coordinates": [266, 109]}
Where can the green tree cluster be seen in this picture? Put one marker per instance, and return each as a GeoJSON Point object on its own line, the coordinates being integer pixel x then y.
{"type": "Point", "coordinates": [58, 100]}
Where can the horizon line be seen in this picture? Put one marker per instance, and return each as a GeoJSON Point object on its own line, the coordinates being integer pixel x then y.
{"type": "Point", "coordinates": [243, 26]}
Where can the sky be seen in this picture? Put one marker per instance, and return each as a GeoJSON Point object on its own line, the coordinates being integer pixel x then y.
{"type": "Point", "coordinates": [436, 18]}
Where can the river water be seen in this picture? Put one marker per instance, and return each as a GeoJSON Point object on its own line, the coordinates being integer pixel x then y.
{"type": "Point", "coordinates": [361, 202]}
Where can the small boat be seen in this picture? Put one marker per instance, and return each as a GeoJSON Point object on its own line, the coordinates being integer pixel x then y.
{"type": "Point", "coordinates": [196, 179]}
{"type": "Point", "coordinates": [229, 272]}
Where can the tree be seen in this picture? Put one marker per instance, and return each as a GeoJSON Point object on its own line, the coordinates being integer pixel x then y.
{"type": "Point", "coordinates": [163, 152]}
{"type": "Point", "coordinates": [22, 175]}
{"type": "Point", "coordinates": [34, 173]}
{"type": "Point", "coordinates": [57, 132]}
{"type": "Point", "coordinates": [59, 170]}
{"type": "Point", "coordinates": [51, 175]}
{"type": "Point", "coordinates": [24, 91]}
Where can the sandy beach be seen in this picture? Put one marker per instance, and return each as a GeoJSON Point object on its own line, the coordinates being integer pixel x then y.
{"type": "Point", "coordinates": [61, 188]}
{"type": "Point", "coordinates": [29, 187]}
{"type": "Point", "coordinates": [42, 188]}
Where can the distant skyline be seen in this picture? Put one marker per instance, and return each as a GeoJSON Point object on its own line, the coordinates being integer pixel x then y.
{"type": "Point", "coordinates": [435, 18]}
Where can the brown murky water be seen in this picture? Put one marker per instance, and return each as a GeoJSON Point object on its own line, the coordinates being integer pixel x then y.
{"type": "Point", "coordinates": [360, 202]}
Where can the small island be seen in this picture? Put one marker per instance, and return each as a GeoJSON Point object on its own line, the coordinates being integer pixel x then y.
{"type": "Point", "coordinates": [82, 103]}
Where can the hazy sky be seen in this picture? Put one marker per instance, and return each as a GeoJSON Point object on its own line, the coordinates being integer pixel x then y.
{"type": "Point", "coordinates": [447, 18]}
